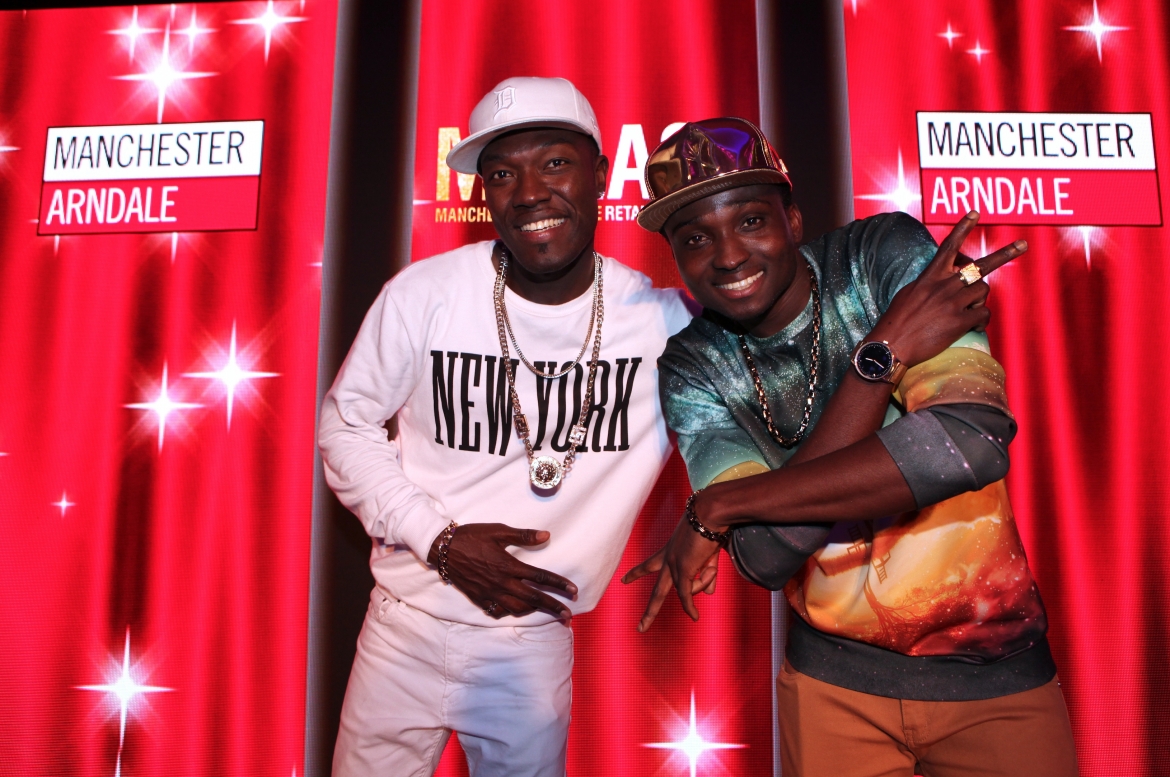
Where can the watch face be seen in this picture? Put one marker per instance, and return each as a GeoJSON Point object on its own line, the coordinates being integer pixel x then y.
{"type": "Point", "coordinates": [874, 361]}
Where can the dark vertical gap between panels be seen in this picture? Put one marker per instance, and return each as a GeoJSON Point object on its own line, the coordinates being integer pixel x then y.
{"type": "Point", "coordinates": [771, 122]}
{"type": "Point", "coordinates": [804, 113]}
{"type": "Point", "coordinates": [318, 688]}
{"type": "Point", "coordinates": [806, 118]}
{"type": "Point", "coordinates": [368, 241]}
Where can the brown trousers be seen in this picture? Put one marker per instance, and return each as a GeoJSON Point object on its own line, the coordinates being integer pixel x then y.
{"type": "Point", "coordinates": [827, 731]}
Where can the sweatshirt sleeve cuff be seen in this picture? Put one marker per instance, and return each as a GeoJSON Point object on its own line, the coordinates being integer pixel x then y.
{"type": "Point", "coordinates": [419, 528]}
{"type": "Point", "coordinates": [933, 467]}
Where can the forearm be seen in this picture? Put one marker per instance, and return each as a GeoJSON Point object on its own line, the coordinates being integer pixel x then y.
{"type": "Point", "coordinates": [858, 482]}
{"type": "Point", "coordinates": [770, 556]}
{"type": "Point", "coordinates": [855, 411]}
{"type": "Point", "coordinates": [864, 480]}
{"type": "Point", "coordinates": [361, 464]}
{"type": "Point", "coordinates": [362, 467]}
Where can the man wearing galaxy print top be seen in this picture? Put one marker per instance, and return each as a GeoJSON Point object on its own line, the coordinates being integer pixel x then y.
{"type": "Point", "coordinates": [843, 452]}
{"type": "Point", "coordinates": [522, 373]}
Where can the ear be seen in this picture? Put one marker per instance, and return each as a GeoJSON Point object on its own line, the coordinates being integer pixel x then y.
{"type": "Point", "coordinates": [600, 173]}
{"type": "Point", "coordinates": [795, 222]}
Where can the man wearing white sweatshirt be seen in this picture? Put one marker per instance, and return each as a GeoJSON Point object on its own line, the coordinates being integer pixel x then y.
{"type": "Point", "coordinates": [523, 375]}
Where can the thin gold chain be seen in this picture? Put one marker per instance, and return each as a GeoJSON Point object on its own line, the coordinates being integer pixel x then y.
{"type": "Point", "coordinates": [789, 442]}
{"type": "Point", "coordinates": [577, 434]}
{"type": "Point", "coordinates": [588, 331]}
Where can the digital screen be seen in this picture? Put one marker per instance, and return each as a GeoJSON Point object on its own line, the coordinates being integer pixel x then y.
{"type": "Point", "coordinates": [163, 178]}
{"type": "Point", "coordinates": [1050, 119]}
{"type": "Point", "coordinates": [162, 203]}
{"type": "Point", "coordinates": [645, 67]}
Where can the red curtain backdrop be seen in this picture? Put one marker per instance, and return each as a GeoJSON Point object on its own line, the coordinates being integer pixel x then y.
{"type": "Point", "coordinates": [643, 66]}
{"type": "Point", "coordinates": [154, 588]}
{"type": "Point", "coordinates": [1080, 325]}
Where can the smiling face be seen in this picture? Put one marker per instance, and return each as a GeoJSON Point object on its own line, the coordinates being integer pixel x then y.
{"type": "Point", "coordinates": [541, 187]}
{"type": "Point", "coordinates": [736, 252]}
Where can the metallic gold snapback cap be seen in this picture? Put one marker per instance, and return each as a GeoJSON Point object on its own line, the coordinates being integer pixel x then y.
{"type": "Point", "coordinates": [703, 158]}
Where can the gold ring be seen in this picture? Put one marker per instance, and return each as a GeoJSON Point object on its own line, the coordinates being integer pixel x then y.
{"type": "Point", "coordinates": [970, 273]}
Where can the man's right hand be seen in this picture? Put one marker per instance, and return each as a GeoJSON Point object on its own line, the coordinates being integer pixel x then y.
{"type": "Point", "coordinates": [480, 566]}
{"type": "Point", "coordinates": [930, 313]}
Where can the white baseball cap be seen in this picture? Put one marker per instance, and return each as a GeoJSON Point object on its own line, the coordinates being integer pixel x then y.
{"type": "Point", "coordinates": [523, 102]}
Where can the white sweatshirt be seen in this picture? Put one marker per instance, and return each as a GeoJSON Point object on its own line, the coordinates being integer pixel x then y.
{"type": "Point", "coordinates": [429, 351]}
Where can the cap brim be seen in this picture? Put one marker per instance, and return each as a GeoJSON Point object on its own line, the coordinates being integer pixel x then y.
{"type": "Point", "coordinates": [464, 156]}
{"type": "Point", "coordinates": [653, 216]}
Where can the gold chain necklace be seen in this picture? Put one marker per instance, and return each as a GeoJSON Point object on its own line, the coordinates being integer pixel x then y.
{"type": "Point", "coordinates": [545, 472]}
{"type": "Point", "coordinates": [789, 442]}
{"type": "Point", "coordinates": [588, 331]}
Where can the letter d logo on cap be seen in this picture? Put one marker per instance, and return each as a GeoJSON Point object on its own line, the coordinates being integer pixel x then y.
{"type": "Point", "coordinates": [505, 99]}
{"type": "Point", "coordinates": [520, 103]}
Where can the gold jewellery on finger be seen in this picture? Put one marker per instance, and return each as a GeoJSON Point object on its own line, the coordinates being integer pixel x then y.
{"type": "Point", "coordinates": [970, 273]}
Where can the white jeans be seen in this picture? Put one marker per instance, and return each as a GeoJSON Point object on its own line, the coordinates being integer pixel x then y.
{"type": "Point", "coordinates": [506, 690]}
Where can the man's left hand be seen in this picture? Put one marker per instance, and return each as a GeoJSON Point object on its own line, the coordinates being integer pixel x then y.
{"type": "Point", "coordinates": [687, 556]}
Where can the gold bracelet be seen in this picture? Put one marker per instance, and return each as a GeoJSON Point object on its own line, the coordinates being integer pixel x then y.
{"type": "Point", "coordinates": [715, 536]}
{"type": "Point", "coordinates": [444, 545]}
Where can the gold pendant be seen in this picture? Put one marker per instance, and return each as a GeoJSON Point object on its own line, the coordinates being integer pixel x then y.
{"type": "Point", "coordinates": [545, 472]}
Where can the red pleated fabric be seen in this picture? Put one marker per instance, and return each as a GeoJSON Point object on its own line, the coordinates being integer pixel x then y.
{"type": "Point", "coordinates": [154, 587]}
{"type": "Point", "coordinates": [1079, 324]}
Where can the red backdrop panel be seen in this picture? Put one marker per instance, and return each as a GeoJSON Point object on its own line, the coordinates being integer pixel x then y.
{"type": "Point", "coordinates": [166, 570]}
{"type": "Point", "coordinates": [643, 66]}
{"type": "Point", "coordinates": [1080, 326]}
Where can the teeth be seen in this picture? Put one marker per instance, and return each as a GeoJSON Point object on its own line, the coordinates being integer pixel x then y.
{"type": "Point", "coordinates": [537, 226]}
{"type": "Point", "coordinates": [741, 284]}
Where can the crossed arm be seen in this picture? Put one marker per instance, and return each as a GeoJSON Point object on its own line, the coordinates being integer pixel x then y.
{"type": "Point", "coordinates": [843, 471]}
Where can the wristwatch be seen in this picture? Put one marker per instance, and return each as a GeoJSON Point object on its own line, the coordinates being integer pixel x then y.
{"type": "Point", "coordinates": [875, 361]}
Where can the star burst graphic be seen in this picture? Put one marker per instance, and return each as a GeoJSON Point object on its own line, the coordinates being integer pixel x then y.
{"type": "Point", "coordinates": [165, 75]}
{"type": "Point", "coordinates": [232, 375]}
{"type": "Point", "coordinates": [270, 21]}
{"type": "Point", "coordinates": [1086, 238]}
{"type": "Point", "coordinates": [123, 688]}
{"type": "Point", "coordinates": [901, 195]}
{"type": "Point", "coordinates": [162, 406]}
{"type": "Point", "coordinates": [64, 504]}
{"type": "Point", "coordinates": [1097, 28]}
{"type": "Point", "coordinates": [853, 3]}
{"type": "Point", "coordinates": [193, 31]}
{"type": "Point", "coordinates": [978, 52]}
{"type": "Point", "coordinates": [5, 149]}
{"type": "Point", "coordinates": [693, 746]}
{"type": "Point", "coordinates": [950, 35]}
{"type": "Point", "coordinates": [133, 31]}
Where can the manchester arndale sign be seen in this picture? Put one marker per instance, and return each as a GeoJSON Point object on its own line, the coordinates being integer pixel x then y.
{"type": "Point", "coordinates": [151, 178]}
{"type": "Point", "coordinates": [1039, 168]}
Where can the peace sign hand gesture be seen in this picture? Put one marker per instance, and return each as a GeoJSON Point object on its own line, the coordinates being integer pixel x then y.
{"type": "Point", "coordinates": [945, 301]}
